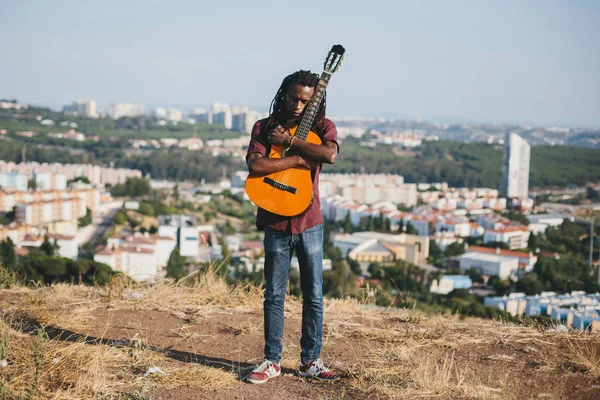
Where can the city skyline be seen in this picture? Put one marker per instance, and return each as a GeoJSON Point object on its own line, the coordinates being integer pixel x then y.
{"type": "Point", "coordinates": [530, 63]}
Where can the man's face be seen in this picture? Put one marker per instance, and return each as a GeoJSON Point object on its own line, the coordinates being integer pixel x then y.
{"type": "Point", "coordinates": [296, 99]}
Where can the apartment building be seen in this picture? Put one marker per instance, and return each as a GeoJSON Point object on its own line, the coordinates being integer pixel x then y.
{"type": "Point", "coordinates": [142, 257]}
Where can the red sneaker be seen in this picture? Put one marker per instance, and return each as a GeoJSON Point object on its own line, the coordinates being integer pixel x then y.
{"type": "Point", "coordinates": [264, 372]}
{"type": "Point", "coordinates": [315, 369]}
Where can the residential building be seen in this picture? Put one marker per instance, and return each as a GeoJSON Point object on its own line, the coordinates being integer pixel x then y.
{"type": "Point", "coordinates": [515, 236]}
{"type": "Point", "coordinates": [141, 256]}
{"type": "Point", "coordinates": [382, 247]}
{"type": "Point", "coordinates": [50, 181]}
{"type": "Point", "coordinates": [578, 309]}
{"type": "Point", "coordinates": [449, 283]}
{"type": "Point", "coordinates": [184, 229]}
{"type": "Point", "coordinates": [17, 231]}
{"type": "Point", "coordinates": [526, 260]}
{"type": "Point", "coordinates": [67, 245]}
{"type": "Point", "coordinates": [489, 264]}
{"type": "Point", "coordinates": [96, 174]}
{"type": "Point", "coordinates": [13, 180]}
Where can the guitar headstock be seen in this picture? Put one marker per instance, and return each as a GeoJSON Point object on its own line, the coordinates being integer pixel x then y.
{"type": "Point", "coordinates": [334, 59]}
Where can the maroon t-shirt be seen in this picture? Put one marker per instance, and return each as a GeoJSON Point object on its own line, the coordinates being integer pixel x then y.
{"type": "Point", "coordinates": [259, 144]}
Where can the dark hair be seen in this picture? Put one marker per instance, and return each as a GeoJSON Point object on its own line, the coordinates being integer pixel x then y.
{"type": "Point", "coordinates": [277, 114]}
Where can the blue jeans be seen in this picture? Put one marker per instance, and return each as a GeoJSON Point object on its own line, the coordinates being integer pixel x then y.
{"type": "Point", "coordinates": [279, 247]}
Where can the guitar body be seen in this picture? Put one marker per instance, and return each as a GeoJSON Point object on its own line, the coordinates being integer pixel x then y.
{"type": "Point", "coordinates": [287, 193]}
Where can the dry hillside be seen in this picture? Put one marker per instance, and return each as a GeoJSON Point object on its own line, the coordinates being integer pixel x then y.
{"type": "Point", "coordinates": [76, 342]}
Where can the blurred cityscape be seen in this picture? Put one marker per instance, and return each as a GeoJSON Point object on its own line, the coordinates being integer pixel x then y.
{"type": "Point", "coordinates": [505, 245]}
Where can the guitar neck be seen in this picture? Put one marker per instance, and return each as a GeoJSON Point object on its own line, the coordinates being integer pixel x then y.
{"type": "Point", "coordinates": [313, 107]}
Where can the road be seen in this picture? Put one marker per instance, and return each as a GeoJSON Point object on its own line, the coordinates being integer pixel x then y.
{"type": "Point", "coordinates": [101, 221]}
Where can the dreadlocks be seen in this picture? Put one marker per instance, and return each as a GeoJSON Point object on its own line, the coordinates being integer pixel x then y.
{"type": "Point", "coordinates": [277, 113]}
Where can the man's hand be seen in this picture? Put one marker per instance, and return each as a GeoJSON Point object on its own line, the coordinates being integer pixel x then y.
{"type": "Point", "coordinates": [307, 163]}
{"type": "Point", "coordinates": [279, 136]}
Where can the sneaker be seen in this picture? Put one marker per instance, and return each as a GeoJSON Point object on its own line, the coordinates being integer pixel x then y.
{"type": "Point", "coordinates": [264, 372]}
{"type": "Point", "coordinates": [315, 369]}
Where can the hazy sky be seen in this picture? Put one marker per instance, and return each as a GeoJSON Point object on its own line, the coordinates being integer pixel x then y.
{"type": "Point", "coordinates": [535, 61]}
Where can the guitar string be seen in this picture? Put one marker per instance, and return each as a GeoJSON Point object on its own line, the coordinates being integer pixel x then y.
{"type": "Point", "coordinates": [303, 123]}
{"type": "Point", "coordinates": [301, 128]}
{"type": "Point", "coordinates": [321, 86]}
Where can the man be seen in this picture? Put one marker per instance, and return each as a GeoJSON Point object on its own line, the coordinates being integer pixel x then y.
{"type": "Point", "coordinates": [303, 233]}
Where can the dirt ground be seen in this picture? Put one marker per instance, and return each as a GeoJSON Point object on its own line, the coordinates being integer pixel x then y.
{"type": "Point", "coordinates": [101, 343]}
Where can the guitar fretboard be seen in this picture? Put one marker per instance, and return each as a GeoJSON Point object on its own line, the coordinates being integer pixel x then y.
{"type": "Point", "coordinates": [313, 107]}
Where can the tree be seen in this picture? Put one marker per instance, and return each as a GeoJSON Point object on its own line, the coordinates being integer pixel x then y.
{"type": "Point", "coordinates": [120, 217]}
{"type": "Point", "coordinates": [362, 226]}
{"type": "Point", "coordinates": [375, 270]}
{"type": "Point", "coordinates": [454, 249]}
{"type": "Point", "coordinates": [133, 187]}
{"type": "Point", "coordinates": [146, 209]}
{"type": "Point", "coordinates": [388, 225]}
{"type": "Point", "coordinates": [380, 223]}
{"type": "Point", "coordinates": [228, 229]}
{"type": "Point", "coordinates": [176, 192]}
{"type": "Point", "coordinates": [515, 215]}
{"type": "Point", "coordinates": [530, 284]}
{"type": "Point", "coordinates": [48, 247]}
{"type": "Point", "coordinates": [176, 265]}
{"type": "Point", "coordinates": [591, 193]}
{"type": "Point", "coordinates": [86, 219]}
{"type": "Point", "coordinates": [371, 224]}
{"type": "Point", "coordinates": [348, 228]}
{"type": "Point", "coordinates": [7, 254]}
{"type": "Point", "coordinates": [410, 229]}
{"type": "Point", "coordinates": [83, 179]}
{"type": "Point", "coordinates": [435, 253]}
{"type": "Point", "coordinates": [532, 243]}
{"type": "Point", "coordinates": [354, 266]}
{"type": "Point", "coordinates": [475, 275]}
{"type": "Point", "coordinates": [501, 286]}
{"type": "Point", "coordinates": [32, 184]}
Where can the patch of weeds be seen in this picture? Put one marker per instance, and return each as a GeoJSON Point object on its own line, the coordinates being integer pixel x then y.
{"type": "Point", "coordinates": [38, 341]}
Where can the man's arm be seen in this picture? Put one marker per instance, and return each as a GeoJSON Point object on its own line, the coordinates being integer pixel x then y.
{"type": "Point", "coordinates": [322, 153]}
{"type": "Point", "coordinates": [258, 165]}
{"type": "Point", "coordinates": [325, 153]}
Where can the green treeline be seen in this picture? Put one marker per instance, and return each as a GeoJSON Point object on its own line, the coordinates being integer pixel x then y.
{"type": "Point", "coordinates": [45, 267]}
{"type": "Point", "coordinates": [470, 164]}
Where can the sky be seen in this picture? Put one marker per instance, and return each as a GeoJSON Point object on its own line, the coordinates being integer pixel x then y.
{"type": "Point", "coordinates": [491, 61]}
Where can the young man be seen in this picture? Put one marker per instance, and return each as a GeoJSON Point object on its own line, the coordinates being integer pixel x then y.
{"type": "Point", "coordinates": [303, 233]}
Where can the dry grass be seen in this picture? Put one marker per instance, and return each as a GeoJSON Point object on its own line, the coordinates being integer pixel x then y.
{"type": "Point", "coordinates": [583, 355]}
{"type": "Point", "coordinates": [389, 353]}
{"type": "Point", "coordinates": [42, 368]}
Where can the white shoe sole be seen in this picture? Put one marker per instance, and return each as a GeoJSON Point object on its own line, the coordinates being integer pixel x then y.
{"type": "Point", "coordinates": [307, 375]}
{"type": "Point", "coordinates": [256, 382]}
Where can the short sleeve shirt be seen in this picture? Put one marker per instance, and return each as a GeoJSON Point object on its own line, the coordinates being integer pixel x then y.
{"type": "Point", "coordinates": [327, 131]}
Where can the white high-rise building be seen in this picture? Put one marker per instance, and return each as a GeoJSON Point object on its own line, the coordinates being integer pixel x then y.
{"type": "Point", "coordinates": [84, 108]}
{"type": "Point", "coordinates": [118, 110]}
{"type": "Point", "coordinates": [221, 114]}
{"type": "Point", "coordinates": [159, 113]}
{"type": "Point", "coordinates": [173, 114]}
{"type": "Point", "coordinates": [201, 115]}
{"type": "Point", "coordinates": [515, 171]}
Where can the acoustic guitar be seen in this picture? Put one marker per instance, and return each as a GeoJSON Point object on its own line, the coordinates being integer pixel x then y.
{"type": "Point", "coordinates": [289, 192]}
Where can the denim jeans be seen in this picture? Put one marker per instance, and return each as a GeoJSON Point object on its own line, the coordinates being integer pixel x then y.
{"type": "Point", "coordinates": [279, 247]}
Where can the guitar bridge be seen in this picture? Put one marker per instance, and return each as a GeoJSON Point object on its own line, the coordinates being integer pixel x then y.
{"type": "Point", "coordinates": [279, 185]}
